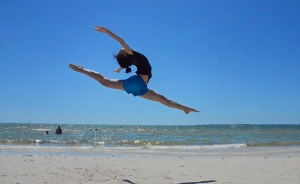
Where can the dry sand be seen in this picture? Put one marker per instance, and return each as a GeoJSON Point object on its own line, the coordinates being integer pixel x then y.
{"type": "Point", "coordinates": [29, 169]}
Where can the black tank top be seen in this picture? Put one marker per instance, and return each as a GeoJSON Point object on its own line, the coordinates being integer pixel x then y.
{"type": "Point", "coordinates": [142, 64]}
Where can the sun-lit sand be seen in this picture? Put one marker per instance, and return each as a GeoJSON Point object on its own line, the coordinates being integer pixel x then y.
{"type": "Point", "coordinates": [148, 169]}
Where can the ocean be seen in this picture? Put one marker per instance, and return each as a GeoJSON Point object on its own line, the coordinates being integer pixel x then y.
{"type": "Point", "coordinates": [139, 140]}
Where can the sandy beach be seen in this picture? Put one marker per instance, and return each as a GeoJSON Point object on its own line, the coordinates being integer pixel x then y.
{"type": "Point", "coordinates": [24, 169]}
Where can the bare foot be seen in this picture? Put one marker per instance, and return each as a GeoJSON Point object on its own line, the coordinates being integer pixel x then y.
{"type": "Point", "coordinates": [188, 110]}
{"type": "Point", "coordinates": [76, 68]}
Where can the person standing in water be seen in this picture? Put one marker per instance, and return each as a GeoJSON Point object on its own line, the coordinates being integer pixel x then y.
{"type": "Point", "coordinates": [58, 130]}
{"type": "Point", "coordinates": [136, 84]}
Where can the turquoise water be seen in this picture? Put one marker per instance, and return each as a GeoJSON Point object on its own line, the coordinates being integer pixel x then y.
{"type": "Point", "coordinates": [116, 138]}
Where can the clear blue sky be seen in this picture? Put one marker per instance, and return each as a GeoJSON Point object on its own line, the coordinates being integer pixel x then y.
{"type": "Point", "coordinates": [235, 61]}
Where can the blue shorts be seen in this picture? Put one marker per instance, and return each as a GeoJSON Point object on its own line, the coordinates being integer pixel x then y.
{"type": "Point", "coordinates": [135, 85]}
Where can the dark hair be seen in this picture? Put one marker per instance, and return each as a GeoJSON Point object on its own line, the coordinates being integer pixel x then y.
{"type": "Point", "coordinates": [124, 62]}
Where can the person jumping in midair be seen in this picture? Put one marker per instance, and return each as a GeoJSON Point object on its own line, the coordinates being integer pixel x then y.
{"type": "Point", "coordinates": [136, 84]}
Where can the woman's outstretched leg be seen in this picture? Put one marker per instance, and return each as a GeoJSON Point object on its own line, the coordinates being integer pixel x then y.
{"type": "Point", "coordinates": [115, 84]}
{"type": "Point", "coordinates": [152, 95]}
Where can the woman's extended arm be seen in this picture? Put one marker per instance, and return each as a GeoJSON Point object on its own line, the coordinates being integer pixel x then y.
{"type": "Point", "coordinates": [117, 38]}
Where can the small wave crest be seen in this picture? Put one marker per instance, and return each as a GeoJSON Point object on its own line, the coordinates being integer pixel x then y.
{"type": "Point", "coordinates": [270, 144]}
{"type": "Point", "coordinates": [99, 143]}
{"type": "Point", "coordinates": [194, 147]}
{"type": "Point", "coordinates": [40, 129]}
{"type": "Point", "coordinates": [20, 142]}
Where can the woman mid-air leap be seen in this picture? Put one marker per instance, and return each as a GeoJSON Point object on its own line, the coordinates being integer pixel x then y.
{"type": "Point", "coordinates": [136, 84]}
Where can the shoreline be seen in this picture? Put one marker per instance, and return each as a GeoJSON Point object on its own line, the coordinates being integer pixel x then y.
{"type": "Point", "coordinates": [155, 151]}
{"type": "Point", "coordinates": [147, 169]}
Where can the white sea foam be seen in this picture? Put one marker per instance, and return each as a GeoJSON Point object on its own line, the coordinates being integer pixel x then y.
{"type": "Point", "coordinates": [100, 143]}
{"type": "Point", "coordinates": [195, 147]}
{"type": "Point", "coordinates": [103, 147]}
{"type": "Point", "coordinates": [40, 129]}
{"type": "Point", "coordinates": [53, 141]}
{"type": "Point", "coordinates": [216, 146]}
